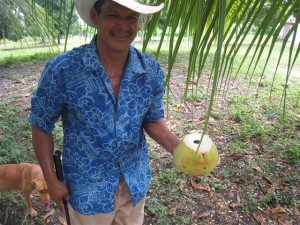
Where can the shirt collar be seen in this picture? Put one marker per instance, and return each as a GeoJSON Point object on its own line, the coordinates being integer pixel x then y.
{"type": "Point", "coordinates": [134, 63]}
{"type": "Point", "coordinates": [91, 59]}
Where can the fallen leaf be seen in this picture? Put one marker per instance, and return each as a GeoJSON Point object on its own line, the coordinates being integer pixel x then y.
{"type": "Point", "coordinates": [62, 220]}
{"type": "Point", "coordinates": [164, 154]}
{"type": "Point", "coordinates": [197, 103]}
{"type": "Point", "coordinates": [236, 156]}
{"type": "Point", "coordinates": [239, 180]}
{"type": "Point", "coordinates": [50, 213]}
{"type": "Point", "coordinates": [286, 190]}
{"type": "Point", "coordinates": [215, 129]}
{"type": "Point", "coordinates": [278, 210]}
{"type": "Point", "coordinates": [259, 218]}
{"type": "Point", "coordinates": [180, 106]}
{"type": "Point", "coordinates": [238, 199]}
{"type": "Point", "coordinates": [268, 180]}
{"type": "Point", "coordinates": [271, 189]}
{"type": "Point", "coordinates": [257, 168]}
{"type": "Point", "coordinates": [233, 205]}
{"type": "Point", "coordinates": [296, 211]}
{"type": "Point", "coordinates": [212, 120]}
{"type": "Point", "coordinates": [188, 106]}
{"type": "Point", "coordinates": [204, 187]}
{"type": "Point", "coordinates": [222, 205]}
{"type": "Point", "coordinates": [181, 185]}
{"type": "Point", "coordinates": [203, 215]}
{"type": "Point", "coordinates": [283, 221]}
{"type": "Point", "coordinates": [172, 211]}
{"type": "Point", "coordinates": [221, 137]}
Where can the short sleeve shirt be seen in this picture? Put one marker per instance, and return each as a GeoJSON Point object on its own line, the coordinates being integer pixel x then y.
{"type": "Point", "coordinates": [103, 138]}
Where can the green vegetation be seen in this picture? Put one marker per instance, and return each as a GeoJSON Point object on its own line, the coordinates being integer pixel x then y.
{"type": "Point", "coordinates": [15, 143]}
{"type": "Point", "coordinates": [259, 149]}
{"type": "Point", "coordinates": [13, 202]}
{"type": "Point", "coordinates": [13, 60]}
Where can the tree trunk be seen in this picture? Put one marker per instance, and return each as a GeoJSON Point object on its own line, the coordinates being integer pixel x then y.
{"type": "Point", "coordinates": [3, 35]}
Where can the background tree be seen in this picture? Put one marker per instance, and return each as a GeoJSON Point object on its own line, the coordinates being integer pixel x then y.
{"type": "Point", "coordinates": [60, 13]}
{"type": "Point", "coordinates": [10, 23]}
{"type": "Point", "coordinates": [21, 18]}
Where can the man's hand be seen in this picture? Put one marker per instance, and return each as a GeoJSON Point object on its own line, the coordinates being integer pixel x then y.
{"type": "Point", "coordinates": [43, 144]}
{"type": "Point", "coordinates": [58, 191]}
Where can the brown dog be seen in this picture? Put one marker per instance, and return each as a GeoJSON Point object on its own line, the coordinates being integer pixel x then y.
{"type": "Point", "coordinates": [25, 177]}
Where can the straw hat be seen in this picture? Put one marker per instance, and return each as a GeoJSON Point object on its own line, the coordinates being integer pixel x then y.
{"type": "Point", "coordinates": [84, 7]}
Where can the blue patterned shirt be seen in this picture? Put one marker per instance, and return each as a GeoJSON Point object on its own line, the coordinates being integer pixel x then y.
{"type": "Point", "coordinates": [103, 138]}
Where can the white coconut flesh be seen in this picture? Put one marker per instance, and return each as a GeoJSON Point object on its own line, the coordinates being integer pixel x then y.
{"type": "Point", "coordinates": [190, 158]}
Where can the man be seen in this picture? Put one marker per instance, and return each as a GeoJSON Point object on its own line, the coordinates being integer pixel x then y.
{"type": "Point", "coordinates": [107, 94]}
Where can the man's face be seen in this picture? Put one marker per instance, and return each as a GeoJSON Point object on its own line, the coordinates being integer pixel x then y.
{"type": "Point", "coordinates": [117, 26]}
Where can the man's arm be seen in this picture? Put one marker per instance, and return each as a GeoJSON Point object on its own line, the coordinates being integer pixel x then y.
{"type": "Point", "coordinates": [44, 146]}
{"type": "Point", "coordinates": [160, 133]}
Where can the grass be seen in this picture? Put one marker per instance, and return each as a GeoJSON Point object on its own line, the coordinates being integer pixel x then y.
{"type": "Point", "coordinates": [259, 150]}
{"type": "Point", "coordinates": [13, 209]}
{"type": "Point", "coordinates": [14, 132]}
{"type": "Point", "coordinates": [12, 60]}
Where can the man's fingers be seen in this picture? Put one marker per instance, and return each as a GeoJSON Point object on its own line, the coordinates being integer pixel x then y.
{"type": "Point", "coordinates": [60, 205]}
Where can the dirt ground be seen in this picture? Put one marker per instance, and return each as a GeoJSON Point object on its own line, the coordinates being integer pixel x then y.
{"type": "Point", "coordinates": [212, 208]}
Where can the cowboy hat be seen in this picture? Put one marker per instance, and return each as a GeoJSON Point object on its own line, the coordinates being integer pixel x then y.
{"type": "Point", "coordinates": [84, 6]}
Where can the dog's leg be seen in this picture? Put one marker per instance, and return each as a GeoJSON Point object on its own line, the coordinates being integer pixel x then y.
{"type": "Point", "coordinates": [32, 212]}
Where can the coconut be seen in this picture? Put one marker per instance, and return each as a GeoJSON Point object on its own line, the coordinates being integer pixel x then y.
{"type": "Point", "coordinates": [190, 161]}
